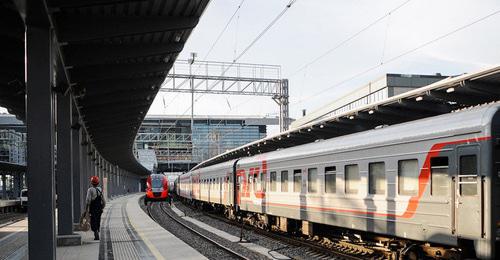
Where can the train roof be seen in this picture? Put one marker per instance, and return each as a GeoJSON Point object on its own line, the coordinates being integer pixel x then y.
{"type": "Point", "coordinates": [473, 120]}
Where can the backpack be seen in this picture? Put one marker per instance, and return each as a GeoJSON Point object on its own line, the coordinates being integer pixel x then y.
{"type": "Point", "coordinates": [96, 205]}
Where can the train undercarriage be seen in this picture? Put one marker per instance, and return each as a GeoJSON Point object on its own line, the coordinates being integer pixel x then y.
{"type": "Point", "coordinates": [365, 244]}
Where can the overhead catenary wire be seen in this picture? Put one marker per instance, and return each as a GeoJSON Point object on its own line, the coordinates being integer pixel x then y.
{"type": "Point", "coordinates": [216, 41]}
{"type": "Point", "coordinates": [394, 58]}
{"type": "Point", "coordinates": [252, 43]}
{"type": "Point", "coordinates": [348, 39]}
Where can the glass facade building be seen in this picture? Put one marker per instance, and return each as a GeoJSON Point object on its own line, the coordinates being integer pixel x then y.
{"type": "Point", "coordinates": [178, 148]}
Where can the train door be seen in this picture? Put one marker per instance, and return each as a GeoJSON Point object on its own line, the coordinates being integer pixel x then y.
{"type": "Point", "coordinates": [468, 192]}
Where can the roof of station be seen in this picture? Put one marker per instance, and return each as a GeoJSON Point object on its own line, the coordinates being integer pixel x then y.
{"type": "Point", "coordinates": [442, 97]}
{"type": "Point", "coordinates": [114, 55]}
{"type": "Point", "coordinates": [12, 167]}
{"type": "Point", "coordinates": [12, 90]}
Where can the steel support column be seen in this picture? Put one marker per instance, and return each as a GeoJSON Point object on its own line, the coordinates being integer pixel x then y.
{"type": "Point", "coordinates": [83, 167]}
{"type": "Point", "coordinates": [63, 168]}
{"type": "Point", "coordinates": [40, 134]}
{"type": "Point", "coordinates": [76, 168]}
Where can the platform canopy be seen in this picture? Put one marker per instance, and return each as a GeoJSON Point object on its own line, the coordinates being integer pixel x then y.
{"type": "Point", "coordinates": [442, 97]}
{"type": "Point", "coordinates": [112, 55]}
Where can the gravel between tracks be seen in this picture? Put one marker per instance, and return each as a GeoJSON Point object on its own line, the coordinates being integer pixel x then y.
{"type": "Point", "coordinates": [209, 250]}
{"type": "Point", "coordinates": [291, 251]}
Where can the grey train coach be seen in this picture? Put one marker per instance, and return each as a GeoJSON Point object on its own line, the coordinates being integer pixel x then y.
{"type": "Point", "coordinates": [434, 180]}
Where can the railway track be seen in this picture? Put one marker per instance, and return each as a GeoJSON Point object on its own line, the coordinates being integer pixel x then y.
{"type": "Point", "coordinates": [335, 250]}
{"type": "Point", "coordinates": [233, 253]}
{"type": "Point", "coordinates": [313, 250]}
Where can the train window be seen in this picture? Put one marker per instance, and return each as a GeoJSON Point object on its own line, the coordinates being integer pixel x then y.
{"type": "Point", "coordinates": [256, 182]}
{"type": "Point", "coordinates": [468, 175]}
{"type": "Point", "coordinates": [376, 178]}
{"type": "Point", "coordinates": [408, 177]}
{"type": "Point", "coordinates": [352, 179]}
{"type": "Point", "coordinates": [297, 180]}
{"type": "Point", "coordinates": [272, 181]}
{"type": "Point", "coordinates": [330, 179]}
{"type": "Point", "coordinates": [263, 181]}
{"type": "Point", "coordinates": [284, 181]}
{"type": "Point", "coordinates": [440, 184]}
{"type": "Point", "coordinates": [312, 180]}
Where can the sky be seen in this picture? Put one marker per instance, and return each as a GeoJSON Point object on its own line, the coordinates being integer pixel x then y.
{"type": "Point", "coordinates": [311, 28]}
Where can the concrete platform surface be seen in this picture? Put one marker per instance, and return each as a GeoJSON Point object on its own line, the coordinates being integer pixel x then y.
{"type": "Point", "coordinates": [127, 232]}
{"type": "Point", "coordinates": [9, 203]}
{"type": "Point", "coordinates": [13, 240]}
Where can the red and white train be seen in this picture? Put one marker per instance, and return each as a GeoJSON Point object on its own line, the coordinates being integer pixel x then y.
{"type": "Point", "coordinates": [434, 180]}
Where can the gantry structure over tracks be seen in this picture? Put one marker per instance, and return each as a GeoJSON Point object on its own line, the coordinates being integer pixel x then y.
{"type": "Point", "coordinates": [93, 68]}
{"type": "Point", "coordinates": [442, 97]}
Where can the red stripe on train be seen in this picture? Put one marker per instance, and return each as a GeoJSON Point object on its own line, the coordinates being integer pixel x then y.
{"type": "Point", "coordinates": [423, 180]}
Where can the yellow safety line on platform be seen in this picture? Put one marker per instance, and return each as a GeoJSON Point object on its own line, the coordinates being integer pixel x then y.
{"type": "Point", "coordinates": [148, 243]}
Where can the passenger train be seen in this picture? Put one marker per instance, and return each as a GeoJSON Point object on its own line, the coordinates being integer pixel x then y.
{"type": "Point", "coordinates": [156, 188]}
{"type": "Point", "coordinates": [434, 180]}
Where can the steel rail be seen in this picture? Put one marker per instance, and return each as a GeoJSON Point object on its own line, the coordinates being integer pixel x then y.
{"type": "Point", "coordinates": [230, 251]}
{"type": "Point", "coordinates": [288, 240]}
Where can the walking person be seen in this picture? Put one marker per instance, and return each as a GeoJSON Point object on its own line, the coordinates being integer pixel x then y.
{"type": "Point", "coordinates": [95, 204]}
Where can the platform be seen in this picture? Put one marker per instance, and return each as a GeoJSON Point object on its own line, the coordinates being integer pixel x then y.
{"type": "Point", "coordinates": [9, 206]}
{"type": "Point", "coordinates": [127, 232]}
{"type": "Point", "coordinates": [13, 240]}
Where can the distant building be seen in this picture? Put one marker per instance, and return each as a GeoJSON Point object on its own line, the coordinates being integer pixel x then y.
{"type": "Point", "coordinates": [387, 86]}
{"type": "Point", "coordinates": [177, 149]}
{"type": "Point", "coordinates": [12, 140]}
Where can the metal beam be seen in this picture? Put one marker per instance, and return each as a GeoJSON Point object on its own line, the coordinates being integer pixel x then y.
{"type": "Point", "coordinates": [117, 85]}
{"type": "Point", "coordinates": [462, 99]}
{"type": "Point", "coordinates": [480, 87]}
{"type": "Point", "coordinates": [92, 54]}
{"type": "Point", "coordinates": [40, 133]}
{"type": "Point", "coordinates": [74, 27]}
{"type": "Point", "coordinates": [426, 106]}
{"type": "Point", "coordinates": [76, 168]}
{"type": "Point", "coordinates": [105, 72]}
{"type": "Point", "coordinates": [64, 167]}
{"type": "Point", "coordinates": [83, 3]}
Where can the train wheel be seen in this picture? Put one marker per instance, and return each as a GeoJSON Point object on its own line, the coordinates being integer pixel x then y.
{"type": "Point", "coordinates": [412, 253]}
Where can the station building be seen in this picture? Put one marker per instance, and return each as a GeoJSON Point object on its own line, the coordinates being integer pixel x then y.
{"type": "Point", "coordinates": [12, 156]}
{"type": "Point", "coordinates": [380, 89]}
{"type": "Point", "coordinates": [175, 147]}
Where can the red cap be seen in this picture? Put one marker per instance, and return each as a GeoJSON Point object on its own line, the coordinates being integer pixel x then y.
{"type": "Point", "coordinates": [94, 180]}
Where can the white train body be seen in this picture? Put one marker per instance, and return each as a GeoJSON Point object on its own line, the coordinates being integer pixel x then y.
{"type": "Point", "coordinates": [435, 179]}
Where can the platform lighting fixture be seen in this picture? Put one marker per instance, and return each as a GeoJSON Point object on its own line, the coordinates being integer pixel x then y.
{"type": "Point", "coordinates": [321, 126]}
{"type": "Point", "coordinates": [177, 37]}
{"type": "Point", "coordinates": [371, 112]}
{"type": "Point", "coordinates": [279, 138]}
{"type": "Point", "coordinates": [288, 135]}
{"type": "Point", "coordinates": [419, 98]}
{"type": "Point", "coordinates": [265, 142]}
{"type": "Point", "coordinates": [351, 117]}
{"type": "Point", "coordinates": [450, 90]}
{"type": "Point", "coordinates": [309, 130]}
